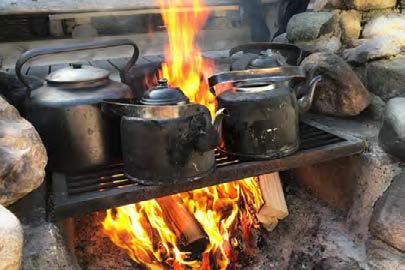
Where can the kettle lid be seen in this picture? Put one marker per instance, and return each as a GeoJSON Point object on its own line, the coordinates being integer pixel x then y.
{"type": "Point", "coordinates": [76, 74]}
{"type": "Point", "coordinates": [162, 94]}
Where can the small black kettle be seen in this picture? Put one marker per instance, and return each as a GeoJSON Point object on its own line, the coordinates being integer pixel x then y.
{"type": "Point", "coordinates": [165, 138]}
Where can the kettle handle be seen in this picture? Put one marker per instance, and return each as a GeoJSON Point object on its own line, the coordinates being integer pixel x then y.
{"type": "Point", "coordinates": [250, 75]}
{"type": "Point", "coordinates": [28, 55]}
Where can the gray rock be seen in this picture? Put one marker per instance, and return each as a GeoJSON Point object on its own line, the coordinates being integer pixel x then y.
{"type": "Point", "coordinates": [22, 155]}
{"type": "Point", "coordinates": [311, 25]}
{"type": "Point", "coordinates": [340, 93]}
{"type": "Point", "coordinates": [350, 24]}
{"type": "Point", "coordinates": [392, 133]}
{"type": "Point", "coordinates": [11, 240]}
{"type": "Point", "coordinates": [376, 172]}
{"type": "Point", "coordinates": [388, 221]}
{"type": "Point", "coordinates": [376, 48]}
{"type": "Point", "coordinates": [281, 38]}
{"type": "Point", "coordinates": [45, 249]}
{"type": "Point", "coordinates": [386, 26]}
{"type": "Point", "coordinates": [326, 43]}
{"type": "Point", "coordinates": [376, 108]}
{"type": "Point", "coordinates": [370, 4]}
{"type": "Point", "coordinates": [386, 78]}
{"type": "Point", "coordinates": [383, 257]}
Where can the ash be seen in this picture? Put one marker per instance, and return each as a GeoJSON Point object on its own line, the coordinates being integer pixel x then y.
{"type": "Point", "coordinates": [312, 237]}
{"type": "Point", "coordinates": [94, 250]}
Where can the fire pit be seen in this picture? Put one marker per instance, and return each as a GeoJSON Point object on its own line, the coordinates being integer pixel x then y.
{"type": "Point", "coordinates": [201, 223]}
{"type": "Point", "coordinates": [211, 201]}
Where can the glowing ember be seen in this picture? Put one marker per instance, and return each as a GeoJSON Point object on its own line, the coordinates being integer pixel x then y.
{"type": "Point", "coordinates": [225, 212]}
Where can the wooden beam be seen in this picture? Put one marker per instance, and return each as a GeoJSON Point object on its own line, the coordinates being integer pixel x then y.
{"type": "Point", "coordinates": [8, 7]}
{"type": "Point", "coordinates": [61, 16]}
{"type": "Point", "coordinates": [149, 44]}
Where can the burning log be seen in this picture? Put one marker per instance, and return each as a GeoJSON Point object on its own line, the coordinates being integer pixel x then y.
{"type": "Point", "coordinates": [275, 207]}
{"type": "Point", "coordinates": [189, 232]}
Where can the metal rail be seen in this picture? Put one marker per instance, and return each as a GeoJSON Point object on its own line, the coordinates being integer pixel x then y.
{"type": "Point", "coordinates": [103, 189]}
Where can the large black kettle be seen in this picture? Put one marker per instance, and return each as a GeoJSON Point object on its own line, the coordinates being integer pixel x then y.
{"type": "Point", "coordinates": [66, 111]}
{"type": "Point", "coordinates": [262, 110]}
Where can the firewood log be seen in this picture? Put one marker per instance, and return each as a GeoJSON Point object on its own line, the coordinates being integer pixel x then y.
{"type": "Point", "coordinates": [191, 237]}
{"type": "Point", "coordinates": [275, 207]}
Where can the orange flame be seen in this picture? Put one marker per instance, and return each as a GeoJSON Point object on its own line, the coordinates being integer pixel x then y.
{"type": "Point", "coordinates": [143, 232]}
{"type": "Point", "coordinates": [184, 65]}
{"type": "Point", "coordinates": [141, 229]}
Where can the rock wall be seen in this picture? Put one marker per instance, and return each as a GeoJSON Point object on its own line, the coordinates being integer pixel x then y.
{"type": "Point", "coordinates": [368, 34]}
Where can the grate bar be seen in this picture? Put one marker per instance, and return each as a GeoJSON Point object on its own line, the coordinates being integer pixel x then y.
{"type": "Point", "coordinates": [100, 187]}
{"type": "Point", "coordinates": [92, 181]}
{"type": "Point", "coordinates": [108, 187]}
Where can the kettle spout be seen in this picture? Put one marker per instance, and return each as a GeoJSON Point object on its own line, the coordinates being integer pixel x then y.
{"type": "Point", "coordinates": [219, 116]}
{"type": "Point", "coordinates": [305, 102]}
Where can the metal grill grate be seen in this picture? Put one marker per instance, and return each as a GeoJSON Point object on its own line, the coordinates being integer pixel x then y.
{"type": "Point", "coordinates": [108, 187]}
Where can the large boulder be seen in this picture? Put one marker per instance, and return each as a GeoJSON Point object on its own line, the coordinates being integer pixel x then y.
{"type": "Point", "coordinates": [350, 24]}
{"type": "Point", "coordinates": [370, 4]}
{"type": "Point", "coordinates": [326, 43]}
{"type": "Point", "coordinates": [386, 78]}
{"type": "Point", "coordinates": [392, 133]}
{"type": "Point", "coordinates": [22, 155]}
{"type": "Point", "coordinates": [340, 93]}
{"type": "Point", "coordinates": [376, 48]}
{"type": "Point", "coordinates": [311, 25]}
{"type": "Point", "coordinates": [388, 222]}
{"type": "Point", "coordinates": [11, 240]}
{"type": "Point", "coordinates": [388, 26]}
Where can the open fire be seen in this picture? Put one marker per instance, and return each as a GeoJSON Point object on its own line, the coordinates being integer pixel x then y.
{"type": "Point", "coordinates": [151, 232]}
{"type": "Point", "coordinates": [199, 229]}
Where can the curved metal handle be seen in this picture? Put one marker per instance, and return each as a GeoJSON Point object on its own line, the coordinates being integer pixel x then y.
{"type": "Point", "coordinates": [71, 48]}
{"type": "Point", "coordinates": [275, 74]}
{"type": "Point", "coordinates": [305, 102]}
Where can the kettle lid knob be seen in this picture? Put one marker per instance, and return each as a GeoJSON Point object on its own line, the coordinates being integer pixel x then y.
{"type": "Point", "coordinates": [163, 82]}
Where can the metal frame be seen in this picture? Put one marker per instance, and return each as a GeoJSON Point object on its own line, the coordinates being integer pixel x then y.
{"type": "Point", "coordinates": [104, 189]}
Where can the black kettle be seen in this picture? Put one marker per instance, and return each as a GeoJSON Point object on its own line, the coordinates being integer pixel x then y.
{"type": "Point", "coordinates": [165, 138]}
{"type": "Point", "coordinates": [66, 112]}
{"type": "Point", "coordinates": [262, 110]}
{"type": "Point", "coordinates": [262, 55]}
